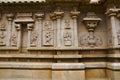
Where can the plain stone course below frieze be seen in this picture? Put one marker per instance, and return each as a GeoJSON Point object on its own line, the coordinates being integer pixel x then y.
{"type": "Point", "coordinates": [59, 66]}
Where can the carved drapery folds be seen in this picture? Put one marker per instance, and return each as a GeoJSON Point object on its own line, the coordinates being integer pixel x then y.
{"type": "Point", "coordinates": [91, 21]}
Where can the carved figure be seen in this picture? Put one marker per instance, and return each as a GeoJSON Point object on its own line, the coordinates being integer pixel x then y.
{"type": "Point", "coordinates": [67, 39]}
{"type": "Point", "coordinates": [33, 39]}
{"type": "Point", "coordinates": [48, 38]}
{"type": "Point", "coordinates": [67, 24]}
{"type": "Point", "coordinates": [14, 40]}
{"type": "Point", "coordinates": [2, 39]}
{"type": "Point", "coordinates": [47, 25]}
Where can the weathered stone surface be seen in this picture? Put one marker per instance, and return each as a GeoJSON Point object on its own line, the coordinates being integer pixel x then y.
{"type": "Point", "coordinates": [59, 40]}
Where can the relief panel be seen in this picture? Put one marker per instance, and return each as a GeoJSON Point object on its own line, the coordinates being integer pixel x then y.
{"type": "Point", "coordinates": [48, 33]}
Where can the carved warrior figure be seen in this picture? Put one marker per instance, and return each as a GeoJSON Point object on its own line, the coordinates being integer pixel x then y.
{"type": "Point", "coordinates": [33, 39]}
{"type": "Point", "coordinates": [67, 39]}
{"type": "Point", "coordinates": [14, 40]}
{"type": "Point", "coordinates": [48, 38]}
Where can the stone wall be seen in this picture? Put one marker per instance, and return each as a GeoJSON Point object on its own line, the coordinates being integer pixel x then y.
{"type": "Point", "coordinates": [59, 40]}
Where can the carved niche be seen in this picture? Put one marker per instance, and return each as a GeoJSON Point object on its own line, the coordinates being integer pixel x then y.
{"type": "Point", "coordinates": [48, 33]}
{"type": "Point", "coordinates": [91, 21]}
{"type": "Point", "coordinates": [2, 35]}
{"type": "Point", "coordinates": [67, 34]}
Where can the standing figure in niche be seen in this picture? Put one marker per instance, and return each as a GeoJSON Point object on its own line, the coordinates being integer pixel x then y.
{"type": "Point", "coordinates": [48, 37]}
{"type": "Point", "coordinates": [67, 39]}
{"type": "Point", "coordinates": [2, 36]}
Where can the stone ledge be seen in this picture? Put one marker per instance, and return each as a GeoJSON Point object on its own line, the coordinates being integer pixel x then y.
{"type": "Point", "coordinates": [65, 48]}
{"type": "Point", "coordinates": [24, 79]}
{"type": "Point", "coordinates": [24, 65]}
{"type": "Point", "coordinates": [113, 66]}
{"type": "Point", "coordinates": [113, 55]}
{"type": "Point", "coordinates": [68, 66]}
{"type": "Point", "coordinates": [25, 56]}
{"type": "Point", "coordinates": [95, 65]}
{"type": "Point", "coordinates": [68, 56]}
{"type": "Point", "coordinates": [8, 48]}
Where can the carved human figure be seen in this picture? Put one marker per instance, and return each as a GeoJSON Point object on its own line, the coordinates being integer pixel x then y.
{"type": "Point", "coordinates": [33, 39]}
{"type": "Point", "coordinates": [67, 39]}
{"type": "Point", "coordinates": [67, 24]}
{"type": "Point", "coordinates": [14, 40]}
{"type": "Point", "coordinates": [47, 25]}
{"type": "Point", "coordinates": [48, 38]}
{"type": "Point", "coordinates": [2, 38]}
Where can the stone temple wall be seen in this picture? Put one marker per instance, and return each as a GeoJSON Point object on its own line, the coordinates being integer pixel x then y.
{"type": "Point", "coordinates": [60, 40]}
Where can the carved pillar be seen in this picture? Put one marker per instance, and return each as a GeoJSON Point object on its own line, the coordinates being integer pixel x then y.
{"type": "Point", "coordinates": [53, 18]}
{"type": "Point", "coordinates": [74, 14]}
{"type": "Point", "coordinates": [112, 12]}
{"type": "Point", "coordinates": [39, 18]}
{"type": "Point", "coordinates": [9, 28]}
{"type": "Point", "coordinates": [59, 15]}
{"type": "Point", "coordinates": [29, 27]}
{"type": "Point", "coordinates": [18, 28]}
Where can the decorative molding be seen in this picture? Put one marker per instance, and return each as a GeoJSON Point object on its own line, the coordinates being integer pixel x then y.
{"type": "Point", "coordinates": [91, 21]}
{"type": "Point", "coordinates": [59, 13]}
{"type": "Point", "coordinates": [18, 27]}
{"type": "Point", "coordinates": [74, 13]}
{"type": "Point", "coordinates": [30, 26]}
{"type": "Point", "coordinates": [10, 17]}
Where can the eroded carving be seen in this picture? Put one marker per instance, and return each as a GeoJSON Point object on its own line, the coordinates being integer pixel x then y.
{"type": "Point", "coordinates": [67, 39]}
{"type": "Point", "coordinates": [67, 24]}
{"type": "Point", "coordinates": [2, 38]}
{"type": "Point", "coordinates": [14, 40]}
{"type": "Point", "coordinates": [48, 38]}
{"type": "Point", "coordinates": [33, 39]}
{"type": "Point", "coordinates": [94, 41]}
{"type": "Point", "coordinates": [91, 21]}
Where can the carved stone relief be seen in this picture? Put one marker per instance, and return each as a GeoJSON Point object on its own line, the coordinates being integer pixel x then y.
{"type": "Point", "coordinates": [14, 40]}
{"type": "Point", "coordinates": [118, 37]}
{"type": "Point", "coordinates": [91, 21]}
{"type": "Point", "coordinates": [2, 35]}
{"type": "Point", "coordinates": [67, 35]}
{"type": "Point", "coordinates": [67, 39]}
{"type": "Point", "coordinates": [94, 41]}
{"type": "Point", "coordinates": [48, 36]}
{"type": "Point", "coordinates": [33, 39]}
